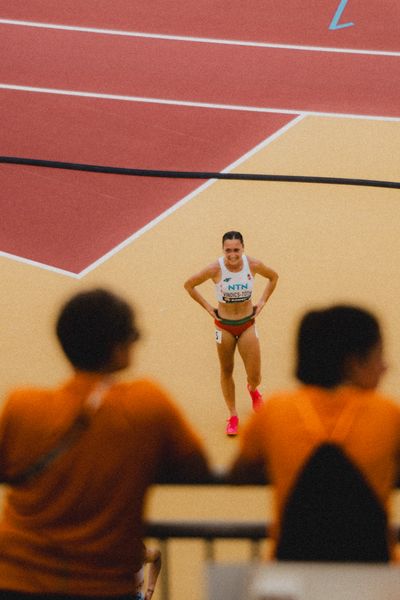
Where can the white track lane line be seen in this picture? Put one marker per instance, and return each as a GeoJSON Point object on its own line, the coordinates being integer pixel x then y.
{"type": "Point", "coordinates": [181, 38]}
{"type": "Point", "coordinates": [34, 263]}
{"type": "Point", "coordinates": [192, 195]}
{"type": "Point", "coordinates": [163, 215]}
{"type": "Point", "coordinates": [173, 102]}
{"type": "Point", "coordinates": [285, 111]}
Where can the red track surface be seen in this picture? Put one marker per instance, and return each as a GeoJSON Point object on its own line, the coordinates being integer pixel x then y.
{"type": "Point", "coordinates": [262, 77]}
{"type": "Point", "coordinates": [280, 21]}
{"type": "Point", "coordinates": [69, 220]}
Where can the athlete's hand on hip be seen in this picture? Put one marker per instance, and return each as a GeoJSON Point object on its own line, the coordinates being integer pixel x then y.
{"type": "Point", "coordinates": [258, 308]}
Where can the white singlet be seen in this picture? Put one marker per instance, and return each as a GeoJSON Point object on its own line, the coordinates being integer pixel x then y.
{"type": "Point", "coordinates": [234, 286]}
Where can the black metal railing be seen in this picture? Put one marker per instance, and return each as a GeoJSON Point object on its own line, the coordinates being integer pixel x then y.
{"type": "Point", "coordinates": [209, 531]}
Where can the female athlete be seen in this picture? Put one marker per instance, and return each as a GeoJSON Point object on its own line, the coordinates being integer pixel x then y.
{"type": "Point", "coordinates": [233, 275]}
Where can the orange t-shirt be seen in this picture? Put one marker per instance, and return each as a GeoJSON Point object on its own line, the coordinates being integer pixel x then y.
{"type": "Point", "coordinates": [77, 528]}
{"type": "Point", "coordinates": [291, 425]}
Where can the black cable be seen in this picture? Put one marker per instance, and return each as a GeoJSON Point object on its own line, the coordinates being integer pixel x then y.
{"type": "Point", "coordinates": [53, 164]}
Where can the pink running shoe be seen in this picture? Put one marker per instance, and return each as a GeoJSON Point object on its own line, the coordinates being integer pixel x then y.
{"type": "Point", "coordinates": [232, 426]}
{"type": "Point", "coordinates": [256, 398]}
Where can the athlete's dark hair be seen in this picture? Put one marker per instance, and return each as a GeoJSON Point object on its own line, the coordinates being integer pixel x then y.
{"type": "Point", "coordinates": [232, 235]}
{"type": "Point", "coordinates": [91, 324]}
{"type": "Point", "coordinates": [328, 338]}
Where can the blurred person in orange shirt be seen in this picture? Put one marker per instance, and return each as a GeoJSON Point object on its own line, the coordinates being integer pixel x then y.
{"type": "Point", "coordinates": [335, 412]}
{"type": "Point", "coordinates": [79, 460]}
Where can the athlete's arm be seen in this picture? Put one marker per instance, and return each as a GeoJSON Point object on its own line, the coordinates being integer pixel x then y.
{"type": "Point", "coordinates": [258, 267]}
{"type": "Point", "coordinates": [210, 272]}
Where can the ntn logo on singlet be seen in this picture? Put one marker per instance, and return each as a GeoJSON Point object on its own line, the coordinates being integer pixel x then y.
{"type": "Point", "coordinates": [236, 287]}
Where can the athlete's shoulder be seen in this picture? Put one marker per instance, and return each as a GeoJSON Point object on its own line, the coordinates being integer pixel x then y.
{"type": "Point", "coordinates": [211, 271]}
{"type": "Point", "coordinates": [257, 266]}
{"type": "Point", "coordinates": [251, 260]}
{"type": "Point", "coordinates": [215, 267]}
{"type": "Point", "coordinates": [254, 263]}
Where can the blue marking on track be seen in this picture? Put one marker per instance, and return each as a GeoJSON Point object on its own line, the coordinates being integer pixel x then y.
{"type": "Point", "coordinates": [335, 21]}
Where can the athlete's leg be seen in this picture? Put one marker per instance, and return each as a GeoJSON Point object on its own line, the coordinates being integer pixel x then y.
{"type": "Point", "coordinates": [249, 349]}
{"type": "Point", "coordinates": [226, 345]}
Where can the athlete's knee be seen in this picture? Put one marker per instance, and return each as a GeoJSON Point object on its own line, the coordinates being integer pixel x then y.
{"type": "Point", "coordinates": [226, 370]}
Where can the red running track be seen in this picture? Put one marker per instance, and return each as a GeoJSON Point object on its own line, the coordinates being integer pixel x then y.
{"type": "Point", "coordinates": [278, 79]}
{"type": "Point", "coordinates": [376, 22]}
{"type": "Point", "coordinates": [70, 220]}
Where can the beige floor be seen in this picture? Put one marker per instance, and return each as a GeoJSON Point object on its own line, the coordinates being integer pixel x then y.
{"type": "Point", "coordinates": [328, 243]}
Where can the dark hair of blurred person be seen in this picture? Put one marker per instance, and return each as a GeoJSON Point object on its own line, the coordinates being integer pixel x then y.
{"type": "Point", "coordinates": [329, 339]}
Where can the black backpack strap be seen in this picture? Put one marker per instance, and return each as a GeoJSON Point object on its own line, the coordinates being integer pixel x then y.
{"type": "Point", "coordinates": [314, 425]}
{"type": "Point", "coordinates": [70, 437]}
{"type": "Point", "coordinates": [67, 441]}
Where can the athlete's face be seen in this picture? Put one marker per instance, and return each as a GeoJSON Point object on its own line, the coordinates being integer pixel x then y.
{"type": "Point", "coordinates": [233, 251]}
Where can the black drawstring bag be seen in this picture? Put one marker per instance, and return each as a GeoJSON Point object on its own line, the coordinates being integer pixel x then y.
{"type": "Point", "coordinates": [332, 513]}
